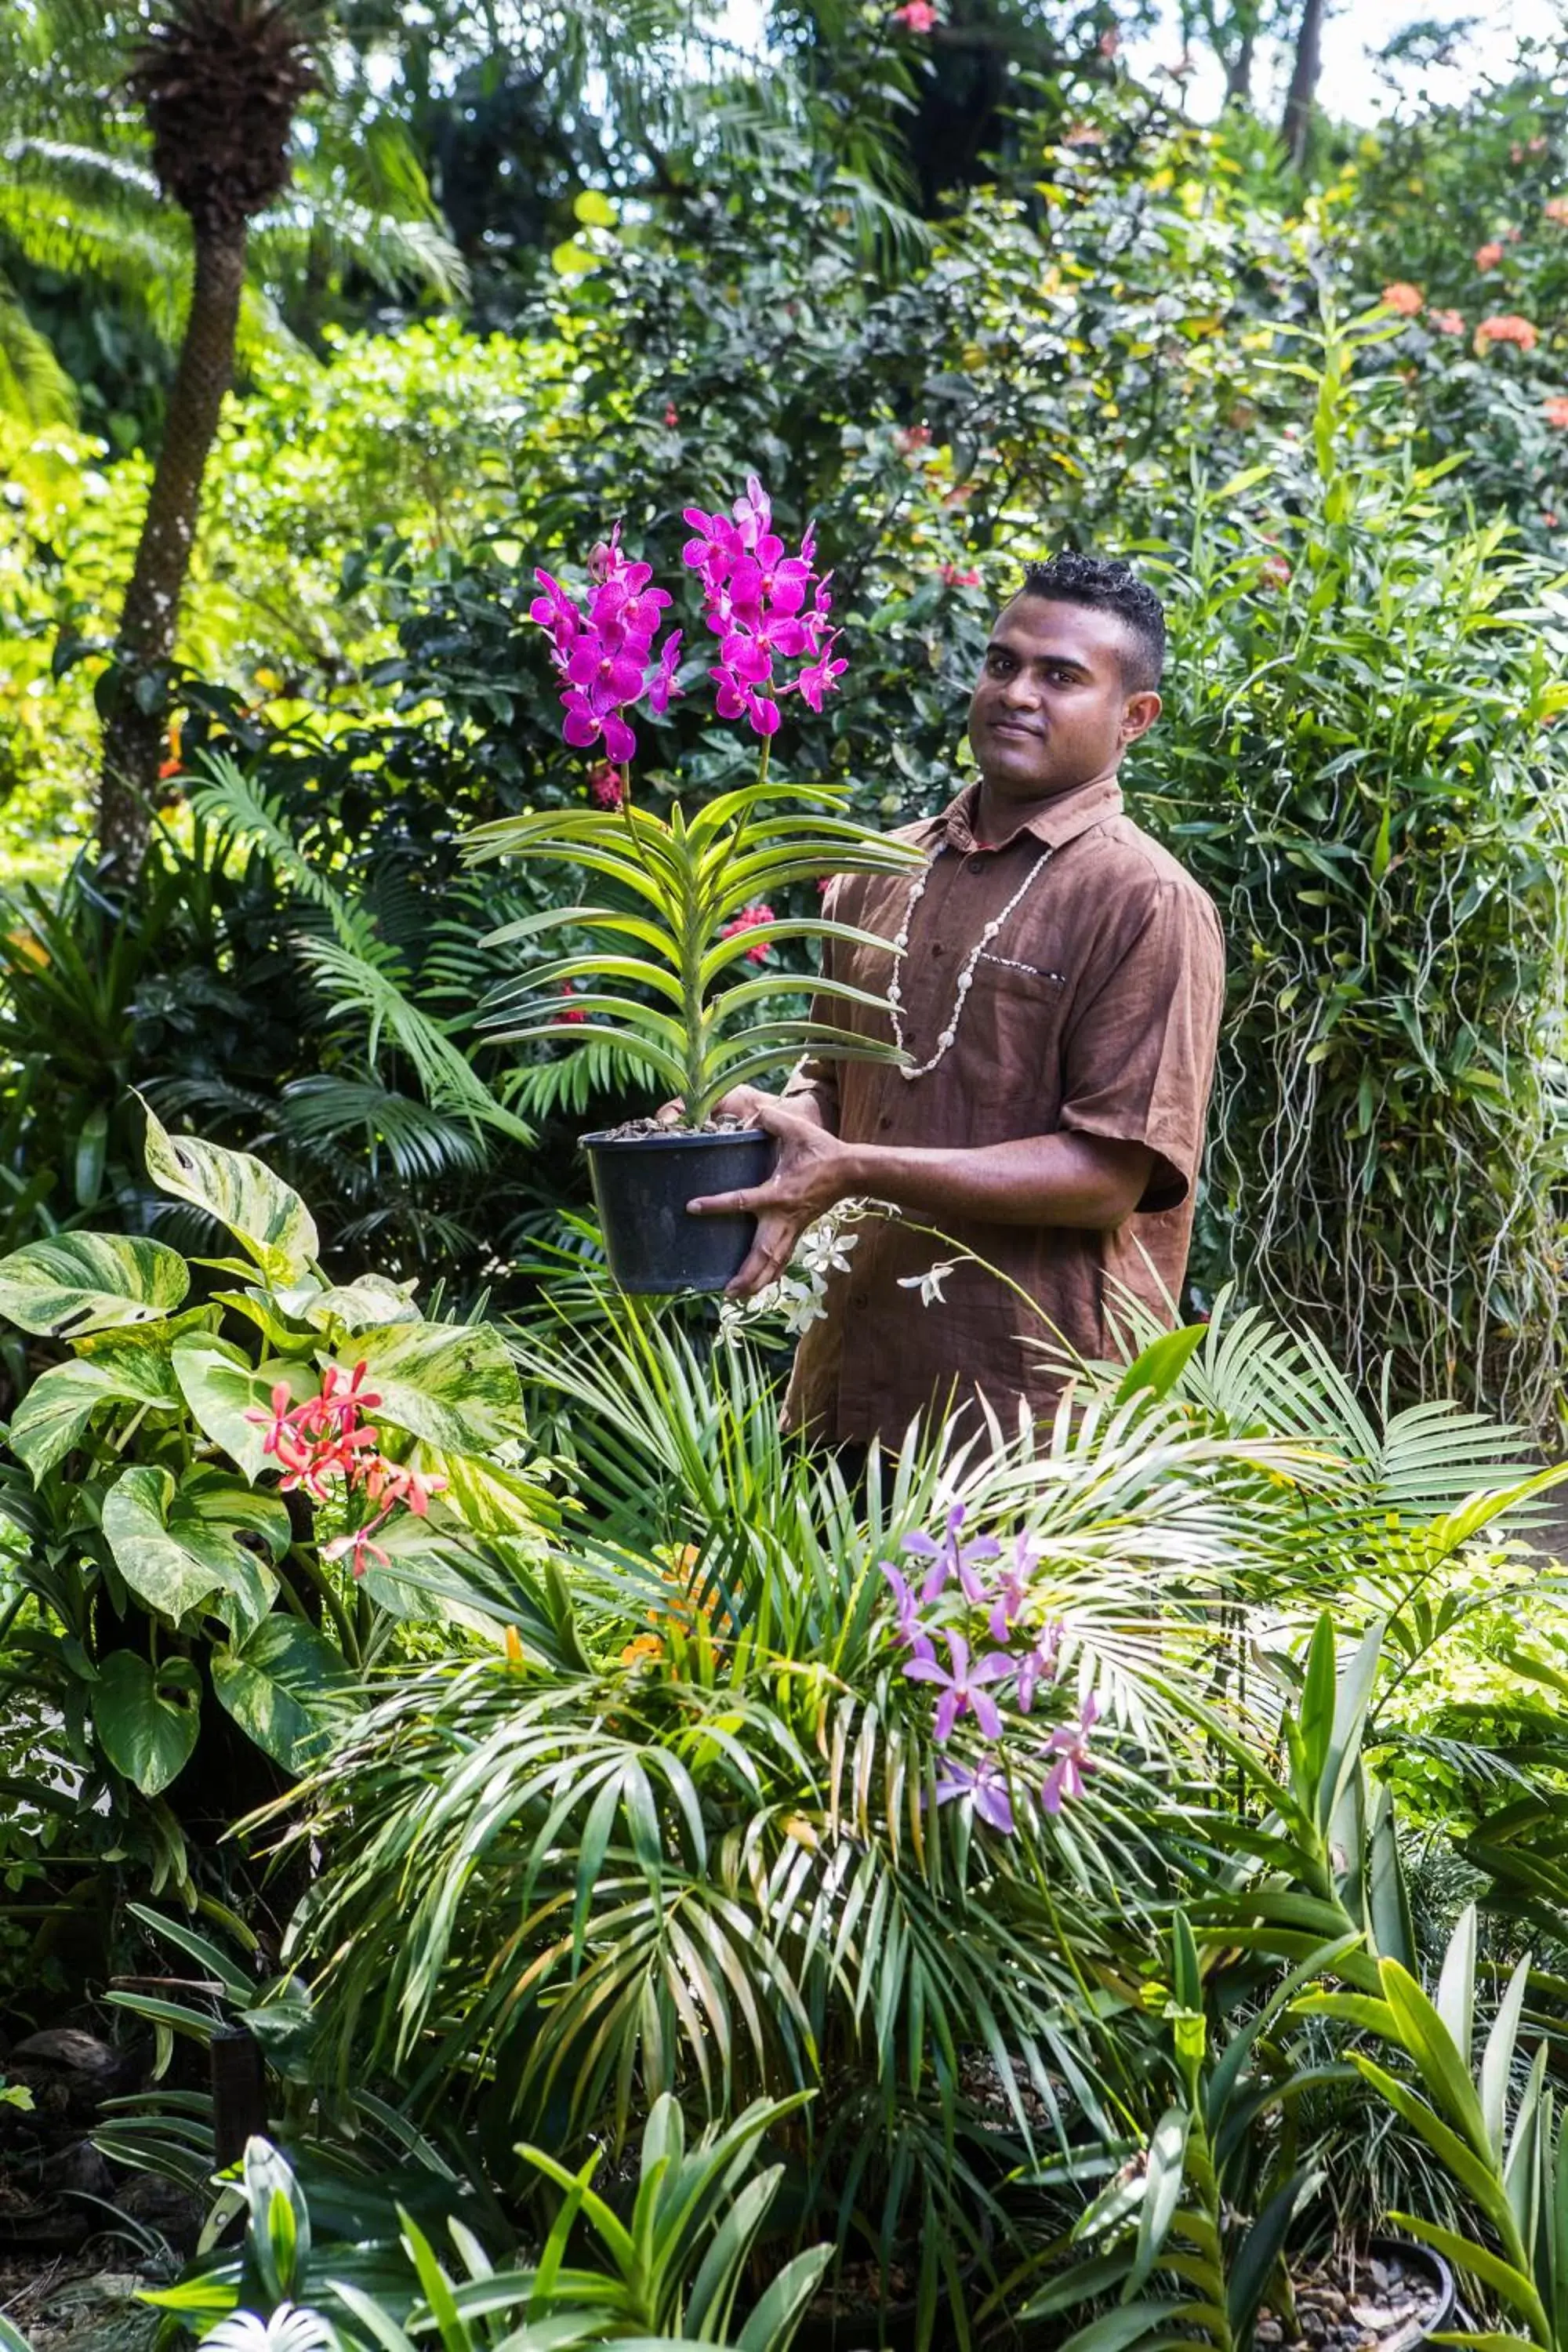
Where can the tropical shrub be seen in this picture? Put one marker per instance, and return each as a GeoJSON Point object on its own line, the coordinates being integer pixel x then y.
{"type": "Point", "coordinates": [733, 1848]}
{"type": "Point", "coordinates": [1361, 766]}
{"type": "Point", "coordinates": [206, 1525]}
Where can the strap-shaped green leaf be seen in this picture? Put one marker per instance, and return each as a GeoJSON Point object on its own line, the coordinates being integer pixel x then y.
{"type": "Point", "coordinates": [1517, 2289]}
{"type": "Point", "coordinates": [1445, 2070]}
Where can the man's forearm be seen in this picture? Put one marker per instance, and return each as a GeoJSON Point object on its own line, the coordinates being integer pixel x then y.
{"type": "Point", "coordinates": [1080, 1180]}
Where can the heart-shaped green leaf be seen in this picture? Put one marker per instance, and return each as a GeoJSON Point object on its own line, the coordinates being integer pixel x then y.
{"type": "Point", "coordinates": [177, 1547]}
{"type": "Point", "coordinates": [286, 1686]}
{"type": "Point", "coordinates": [258, 1209]}
{"type": "Point", "coordinates": [89, 1282]}
{"type": "Point", "coordinates": [57, 1410]}
{"type": "Point", "coordinates": [146, 1717]}
{"type": "Point", "coordinates": [453, 1384]}
{"type": "Point", "coordinates": [223, 1388]}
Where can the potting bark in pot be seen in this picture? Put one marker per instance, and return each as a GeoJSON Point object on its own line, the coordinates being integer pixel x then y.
{"type": "Point", "coordinates": [687, 903]}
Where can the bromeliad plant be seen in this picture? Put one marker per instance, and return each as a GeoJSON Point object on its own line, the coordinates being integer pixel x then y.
{"type": "Point", "coordinates": [692, 897]}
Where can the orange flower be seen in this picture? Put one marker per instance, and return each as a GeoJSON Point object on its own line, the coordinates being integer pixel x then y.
{"type": "Point", "coordinates": [1446, 322]}
{"type": "Point", "coordinates": [1506, 327]}
{"type": "Point", "coordinates": [1403, 298]}
{"type": "Point", "coordinates": [643, 1647]}
{"type": "Point", "coordinates": [1556, 209]}
{"type": "Point", "coordinates": [1555, 411]}
{"type": "Point", "coordinates": [1487, 255]}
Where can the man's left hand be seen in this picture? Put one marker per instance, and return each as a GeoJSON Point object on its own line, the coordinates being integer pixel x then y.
{"type": "Point", "coordinates": [811, 1176]}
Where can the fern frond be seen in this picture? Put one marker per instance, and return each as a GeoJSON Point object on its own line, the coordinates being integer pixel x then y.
{"type": "Point", "coordinates": [360, 974]}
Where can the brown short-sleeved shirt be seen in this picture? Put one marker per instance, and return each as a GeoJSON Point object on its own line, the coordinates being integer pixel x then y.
{"type": "Point", "coordinates": [1095, 1008]}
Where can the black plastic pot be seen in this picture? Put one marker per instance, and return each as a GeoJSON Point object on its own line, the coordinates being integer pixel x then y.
{"type": "Point", "coordinates": [1428, 2263]}
{"type": "Point", "coordinates": [641, 1186]}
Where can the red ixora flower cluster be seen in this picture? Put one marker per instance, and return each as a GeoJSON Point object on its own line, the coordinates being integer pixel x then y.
{"type": "Point", "coordinates": [606, 654]}
{"type": "Point", "coordinates": [747, 921]}
{"type": "Point", "coordinates": [756, 606]}
{"type": "Point", "coordinates": [325, 1440]}
{"type": "Point", "coordinates": [1507, 327]}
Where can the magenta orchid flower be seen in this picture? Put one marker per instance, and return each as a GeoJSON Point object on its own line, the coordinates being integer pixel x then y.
{"type": "Point", "coordinates": [963, 1690]}
{"type": "Point", "coordinates": [949, 1559]}
{"type": "Point", "coordinates": [1039, 1666]}
{"type": "Point", "coordinates": [986, 1788]}
{"type": "Point", "coordinates": [604, 655]}
{"type": "Point", "coordinates": [756, 603]}
{"type": "Point", "coordinates": [756, 606]}
{"type": "Point", "coordinates": [1013, 1590]}
{"type": "Point", "coordinates": [907, 1626]}
{"type": "Point", "coordinates": [1069, 1747]}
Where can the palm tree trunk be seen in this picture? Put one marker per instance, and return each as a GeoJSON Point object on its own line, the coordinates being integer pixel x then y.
{"type": "Point", "coordinates": [135, 724]}
{"type": "Point", "coordinates": [1303, 89]}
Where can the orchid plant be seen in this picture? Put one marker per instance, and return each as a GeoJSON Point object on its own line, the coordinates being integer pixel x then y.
{"type": "Point", "coordinates": [692, 897]}
{"type": "Point", "coordinates": [999, 1648]}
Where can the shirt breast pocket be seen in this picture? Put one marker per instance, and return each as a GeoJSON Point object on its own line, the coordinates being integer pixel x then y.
{"type": "Point", "coordinates": [1009, 1040]}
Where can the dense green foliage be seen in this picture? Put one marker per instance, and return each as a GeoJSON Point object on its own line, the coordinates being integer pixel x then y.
{"type": "Point", "coordinates": [650, 1934]}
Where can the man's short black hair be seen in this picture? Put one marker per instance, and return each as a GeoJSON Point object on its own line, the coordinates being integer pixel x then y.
{"type": "Point", "coordinates": [1108, 584]}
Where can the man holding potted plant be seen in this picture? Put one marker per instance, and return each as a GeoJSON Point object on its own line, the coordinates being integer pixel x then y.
{"type": "Point", "coordinates": [1056, 996]}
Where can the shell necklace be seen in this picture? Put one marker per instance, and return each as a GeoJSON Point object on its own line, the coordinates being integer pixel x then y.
{"type": "Point", "coordinates": [965, 978]}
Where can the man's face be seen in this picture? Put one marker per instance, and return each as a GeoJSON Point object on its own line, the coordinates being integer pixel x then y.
{"type": "Point", "coordinates": [1051, 709]}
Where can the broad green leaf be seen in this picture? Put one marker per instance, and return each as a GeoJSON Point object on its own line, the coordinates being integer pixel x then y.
{"type": "Point", "coordinates": [452, 1385]}
{"type": "Point", "coordinates": [139, 1353]}
{"type": "Point", "coordinates": [89, 1282]}
{"type": "Point", "coordinates": [287, 1688]}
{"type": "Point", "coordinates": [257, 1522]}
{"type": "Point", "coordinates": [172, 1554]}
{"type": "Point", "coordinates": [222, 1388]}
{"type": "Point", "coordinates": [491, 1497]}
{"type": "Point", "coordinates": [773, 2320]}
{"type": "Point", "coordinates": [372, 1298]}
{"type": "Point", "coordinates": [146, 1718]}
{"type": "Point", "coordinates": [1160, 1365]}
{"type": "Point", "coordinates": [1474, 2175]}
{"type": "Point", "coordinates": [1316, 1717]}
{"type": "Point", "coordinates": [279, 2232]}
{"type": "Point", "coordinates": [262, 1212]}
{"type": "Point", "coordinates": [58, 1408]}
{"type": "Point", "coordinates": [1127, 2324]}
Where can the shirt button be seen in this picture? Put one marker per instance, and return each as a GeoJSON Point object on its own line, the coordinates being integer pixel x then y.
{"type": "Point", "coordinates": [975, 862]}
{"type": "Point", "coordinates": [938, 948]}
{"type": "Point", "coordinates": [886, 1120]}
{"type": "Point", "coordinates": [860, 1298]}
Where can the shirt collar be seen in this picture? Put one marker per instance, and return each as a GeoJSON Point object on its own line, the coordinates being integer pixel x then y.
{"type": "Point", "coordinates": [1060, 821]}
